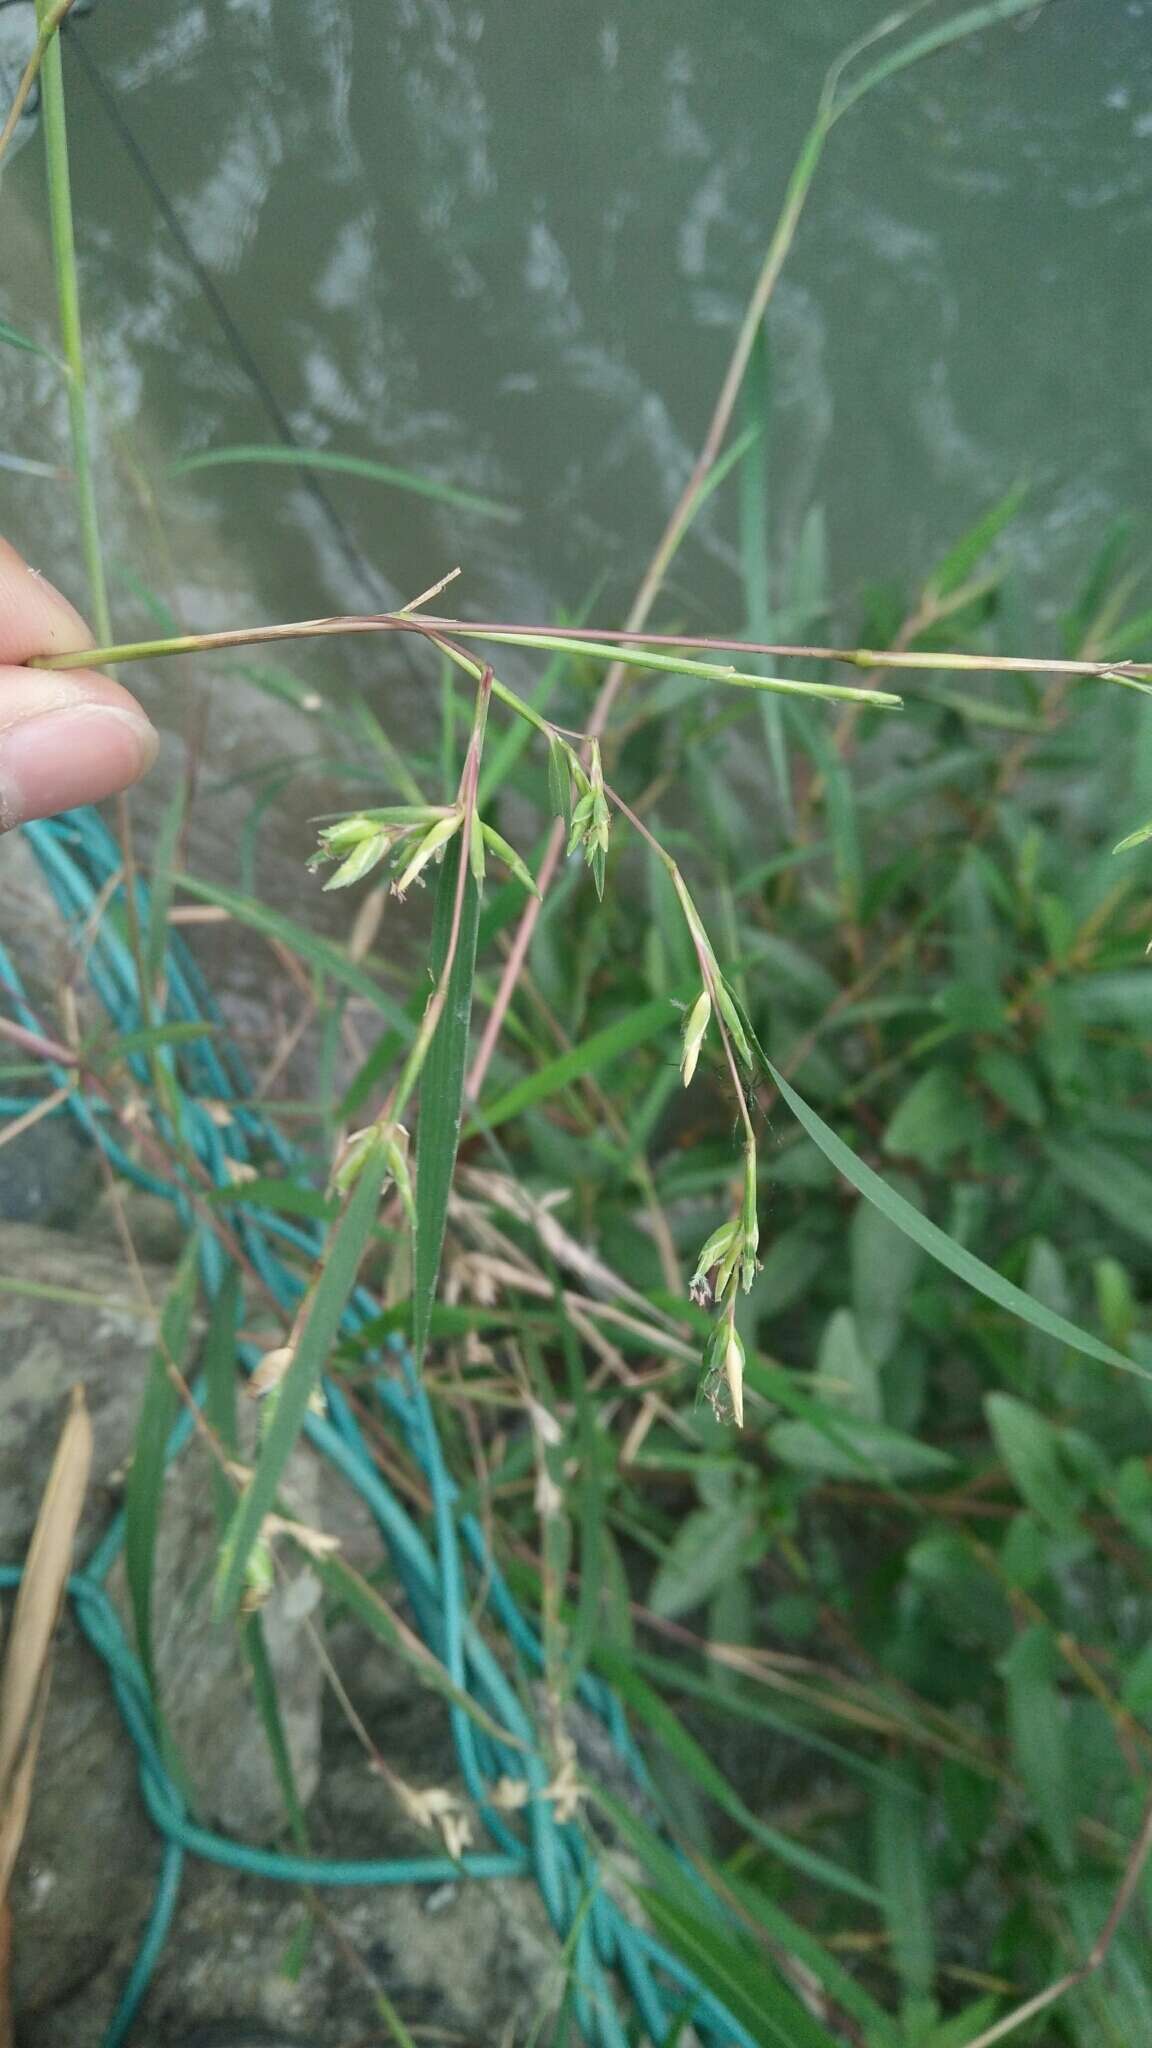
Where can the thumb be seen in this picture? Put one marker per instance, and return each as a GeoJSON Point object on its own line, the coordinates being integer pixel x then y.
{"type": "Point", "coordinates": [66, 739]}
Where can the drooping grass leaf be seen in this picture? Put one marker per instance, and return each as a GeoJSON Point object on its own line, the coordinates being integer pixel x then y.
{"type": "Point", "coordinates": [742, 1980]}
{"type": "Point", "coordinates": [932, 1239]}
{"type": "Point", "coordinates": [699, 1906]}
{"type": "Point", "coordinates": [341, 1262]}
{"type": "Point", "coordinates": [686, 1752]}
{"type": "Point", "coordinates": [442, 1087]}
{"type": "Point", "coordinates": [144, 1491]}
{"type": "Point", "coordinates": [346, 465]}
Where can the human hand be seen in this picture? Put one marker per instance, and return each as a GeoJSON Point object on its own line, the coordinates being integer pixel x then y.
{"type": "Point", "coordinates": [67, 736]}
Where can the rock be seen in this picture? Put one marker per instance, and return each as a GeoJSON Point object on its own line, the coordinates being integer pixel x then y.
{"type": "Point", "coordinates": [203, 1676]}
{"type": "Point", "coordinates": [476, 1962]}
{"type": "Point", "coordinates": [90, 1853]}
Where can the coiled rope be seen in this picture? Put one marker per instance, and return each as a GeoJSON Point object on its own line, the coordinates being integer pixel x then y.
{"type": "Point", "coordinates": [614, 1962]}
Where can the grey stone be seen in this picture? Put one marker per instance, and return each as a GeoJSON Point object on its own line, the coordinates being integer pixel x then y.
{"type": "Point", "coordinates": [85, 1873]}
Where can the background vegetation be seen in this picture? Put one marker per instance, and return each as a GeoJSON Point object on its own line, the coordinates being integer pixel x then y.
{"type": "Point", "coordinates": [888, 1646]}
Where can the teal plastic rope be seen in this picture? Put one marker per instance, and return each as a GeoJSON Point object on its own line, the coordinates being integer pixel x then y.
{"type": "Point", "coordinates": [612, 1960]}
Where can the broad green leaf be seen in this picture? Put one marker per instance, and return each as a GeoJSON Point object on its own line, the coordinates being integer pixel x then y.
{"type": "Point", "coordinates": [931, 1238]}
{"type": "Point", "coordinates": [1030, 1447]}
{"type": "Point", "coordinates": [891, 1454]}
{"type": "Point", "coordinates": [635, 1028]}
{"type": "Point", "coordinates": [791, 1263]}
{"type": "Point", "coordinates": [968, 1602]}
{"type": "Point", "coordinates": [1109, 1181]}
{"type": "Point", "coordinates": [442, 1087]}
{"type": "Point", "coordinates": [317, 952]}
{"type": "Point", "coordinates": [844, 1377]}
{"type": "Point", "coordinates": [708, 1547]}
{"type": "Point", "coordinates": [144, 1491]}
{"type": "Point", "coordinates": [900, 1862]}
{"type": "Point", "coordinates": [345, 465]}
{"type": "Point", "coordinates": [1013, 1084]}
{"type": "Point", "coordinates": [885, 1263]}
{"type": "Point", "coordinates": [341, 1261]}
{"type": "Point", "coordinates": [1120, 998]}
{"type": "Point", "coordinates": [933, 1121]}
{"type": "Point", "coordinates": [1039, 1747]}
{"type": "Point", "coordinates": [1046, 1279]}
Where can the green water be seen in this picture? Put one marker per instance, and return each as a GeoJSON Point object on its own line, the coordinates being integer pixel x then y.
{"type": "Point", "coordinates": [506, 244]}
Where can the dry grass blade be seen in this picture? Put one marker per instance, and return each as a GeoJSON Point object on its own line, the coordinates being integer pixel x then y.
{"type": "Point", "coordinates": [24, 1685]}
{"type": "Point", "coordinates": [38, 1603]}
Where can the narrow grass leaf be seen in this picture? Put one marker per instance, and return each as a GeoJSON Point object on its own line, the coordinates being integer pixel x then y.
{"type": "Point", "coordinates": [442, 1089]}
{"type": "Point", "coordinates": [589, 1057]}
{"type": "Point", "coordinates": [680, 1891]}
{"type": "Point", "coordinates": [795, 1939]}
{"type": "Point", "coordinates": [369, 1606]}
{"type": "Point", "coordinates": [932, 1239]}
{"type": "Point", "coordinates": [219, 1369]}
{"type": "Point", "coordinates": [957, 565]}
{"type": "Point", "coordinates": [686, 1751]}
{"type": "Point", "coordinates": [743, 1981]}
{"type": "Point", "coordinates": [155, 1036]}
{"type": "Point", "coordinates": [12, 338]}
{"type": "Point", "coordinates": [267, 1703]}
{"type": "Point", "coordinates": [160, 891]}
{"type": "Point", "coordinates": [347, 465]}
{"type": "Point", "coordinates": [144, 1492]}
{"type": "Point", "coordinates": [286, 1197]}
{"type": "Point", "coordinates": [337, 1278]}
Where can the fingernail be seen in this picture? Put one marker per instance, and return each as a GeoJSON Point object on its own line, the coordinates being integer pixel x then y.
{"type": "Point", "coordinates": [76, 755]}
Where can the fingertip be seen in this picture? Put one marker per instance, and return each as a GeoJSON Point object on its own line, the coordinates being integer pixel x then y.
{"type": "Point", "coordinates": [72, 754]}
{"type": "Point", "coordinates": [35, 617]}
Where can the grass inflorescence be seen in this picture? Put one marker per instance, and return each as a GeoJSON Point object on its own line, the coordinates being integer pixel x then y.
{"type": "Point", "coordinates": [817, 1113]}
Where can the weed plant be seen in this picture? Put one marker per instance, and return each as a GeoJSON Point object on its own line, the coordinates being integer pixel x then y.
{"type": "Point", "coordinates": [776, 1253]}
